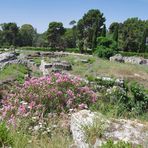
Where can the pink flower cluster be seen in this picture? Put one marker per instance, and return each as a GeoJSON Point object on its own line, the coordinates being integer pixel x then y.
{"type": "Point", "coordinates": [54, 93]}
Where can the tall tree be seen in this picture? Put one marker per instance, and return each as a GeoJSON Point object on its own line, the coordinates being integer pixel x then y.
{"type": "Point", "coordinates": [89, 28]}
{"type": "Point", "coordinates": [73, 24]}
{"type": "Point", "coordinates": [115, 34]}
{"type": "Point", "coordinates": [54, 34]}
{"type": "Point", "coordinates": [144, 37]}
{"type": "Point", "coordinates": [131, 34]}
{"type": "Point", "coordinates": [27, 33]}
{"type": "Point", "coordinates": [10, 33]}
{"type": "Point", "coordinates": [103, 31]}
{"type": "Point", "coordinates": [1, 38]}
{"type": "Point", "coordinates": [113, 27]}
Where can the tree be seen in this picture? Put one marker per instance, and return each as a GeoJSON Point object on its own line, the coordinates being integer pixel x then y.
{"type": "Point", "coordinates": [143, 43]}
{"type": "Point", "coordinates": [103, 31]}
{"type": "Point", "coordinates": [10, 33]}
{"type": "Point", "coordinates": [89, 28]}
{"type": "Point", "coordinates": [41, 40]}
{"type": "Point", "coordinates": [115, 34]}
{"type": "Point", "coordinates": [1, 38]}
{"type": "Point", "coordinates": [68, 37]}
{"type": "Point", "coordinates": [54, 34]}
{"type": "Point", "coordinates": [131, 34]}
{"type": "Point", "coordinates": [113, 27]}
{"type": "Point", "coordinates": [27, 33]}
{"type": "Point", "coordinates": [73, 24]}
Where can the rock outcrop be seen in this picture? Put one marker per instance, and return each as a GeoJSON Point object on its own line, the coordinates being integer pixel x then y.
{"type": "Point", "coordinates": [115, 129]}
{"type": "Point", "coordinates": [7, 56]}
{"type": "Point", "coordinates": [132, 60]}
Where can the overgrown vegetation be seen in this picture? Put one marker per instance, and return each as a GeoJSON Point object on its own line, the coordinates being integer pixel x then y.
{"type": "Point", "coordinates": [94, 131]}
{"type": "Point", "coordinates": [5, 136]}
{"type": "Point", "coordinates": [120, 144]}
{"type": "Point", "coordinates": [13, 72]}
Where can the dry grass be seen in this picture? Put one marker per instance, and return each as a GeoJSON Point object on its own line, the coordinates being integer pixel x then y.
{"type": "Point", "coordinates": [101, 67]}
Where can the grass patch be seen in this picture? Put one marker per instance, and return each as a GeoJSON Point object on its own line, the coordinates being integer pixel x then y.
{"type": "Point", "coordinates": [13, 72]}
{"type": "Point", "coordinates": [100, 67]}
{"type": "Point", "coordinates": [94, 131]}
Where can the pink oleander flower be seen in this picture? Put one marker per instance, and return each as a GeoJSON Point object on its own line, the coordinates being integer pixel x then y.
{"type": "Point", "coordinates": [40, 96]}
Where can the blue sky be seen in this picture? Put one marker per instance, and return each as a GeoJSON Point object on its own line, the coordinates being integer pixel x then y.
{"type": "Point", "coordinates": [40, 12]}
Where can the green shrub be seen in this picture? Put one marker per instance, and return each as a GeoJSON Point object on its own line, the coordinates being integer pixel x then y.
{"type": "Point", "coordinates": [104, 52]}
{"type": "Point", "coordinates": [139, 99]}
{"type": "Point", "coordinates": [76, 50]}
{"type": "Point", "coordinates": [38, 48]}
{"type": "Point", "coordinates": [5, 136]}
{"type": "Point", "coordinates": [106, 42]}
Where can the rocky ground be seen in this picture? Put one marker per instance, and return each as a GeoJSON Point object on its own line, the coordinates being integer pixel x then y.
{"type": "Point", "coordinates": [81, 123]}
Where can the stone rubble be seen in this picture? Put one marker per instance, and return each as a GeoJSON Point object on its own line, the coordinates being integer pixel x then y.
{"type": "Point", "coordinates": [132, 60]}
{"type": "Point", "coordinates": [7, 56]}
{"type": "Point", "coordinates": [46, 68]}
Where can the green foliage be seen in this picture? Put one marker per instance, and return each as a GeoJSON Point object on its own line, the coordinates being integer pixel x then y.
{"type": "Point", "coordinates": [27, 35]}
{"type": "Point", "coordinates": [54, 33]}
{"type": "Point", "coordinates": [119, 144]}
{"type": "Point", "coordinates": [139, 99]}
{"type": "Point", "coordinates": [70, 38]}
{"type": "Point", "coordinates": [5, 136]}
{"type": "Point", "coordinates": [131, 103]}
{"type": "Point", "coordinates": [103, 34]}
{"type": "Point", "coordinates": [106, 42]}
{"type": "Point", "coordinates": [89, 28]}
{"type": "Point", "coordinates": [9, 34]}
{"type": "Point", "coordinates": [106, 47]}
{"type": "Point", "coordinates": [113, 27]}
{"type": "Point", "coordinates": [14, 71]}
{"type": "Point", "coordinates": [94, 131]}
{"type": "Point", "coordinates": [131, 35]}
{"type": "Point", "coordinates": [145, 55]}
{"type": "Point", "coordinates": [104, 52]}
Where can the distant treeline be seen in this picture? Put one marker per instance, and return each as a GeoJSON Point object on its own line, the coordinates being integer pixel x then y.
{"type": "Point", "coordinates": [86, 34]}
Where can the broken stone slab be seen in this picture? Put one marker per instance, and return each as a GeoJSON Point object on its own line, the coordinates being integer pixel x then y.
{"type": "Point", "coordinates": [43, 67]}
{"type": "Point", "coordinates": [7, 56]}
{"type": "Point", "coordinates": [116, 129]}
{"type": "Point", "coordinates": [63, 65]}
{"type": "Point", "coordinates": [85, 61]}
{"type": "Point", "coordinates": [54, 67]}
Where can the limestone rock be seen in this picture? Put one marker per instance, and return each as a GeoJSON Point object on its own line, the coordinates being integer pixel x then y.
{"type": "Point", "coordinates": [132, 60]}
{"type": "Point", "coordinates": [116, 129]}
{"type": "Point", "coordinates": [7, 56]}
{"type": "Point", "coordinates": [118, 58]}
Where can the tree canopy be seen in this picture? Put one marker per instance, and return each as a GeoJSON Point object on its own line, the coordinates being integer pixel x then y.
{"type": "Point", "coordinates": [131, 35]}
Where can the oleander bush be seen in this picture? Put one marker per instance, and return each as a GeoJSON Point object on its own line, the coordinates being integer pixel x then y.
{"type": "Point", "coordinates": [51, 94]}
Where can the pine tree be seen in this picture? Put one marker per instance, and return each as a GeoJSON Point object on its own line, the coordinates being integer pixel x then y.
{"type": "Point", "coordinates": [103, 31]}
{"type": "Point", "coordinates": [143, 43]}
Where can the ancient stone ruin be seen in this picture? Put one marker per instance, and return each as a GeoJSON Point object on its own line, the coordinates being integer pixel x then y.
{"type": "Point", "coordinates": [132, 60]}
{"type": "Point", "coordinates": [56, 66]}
